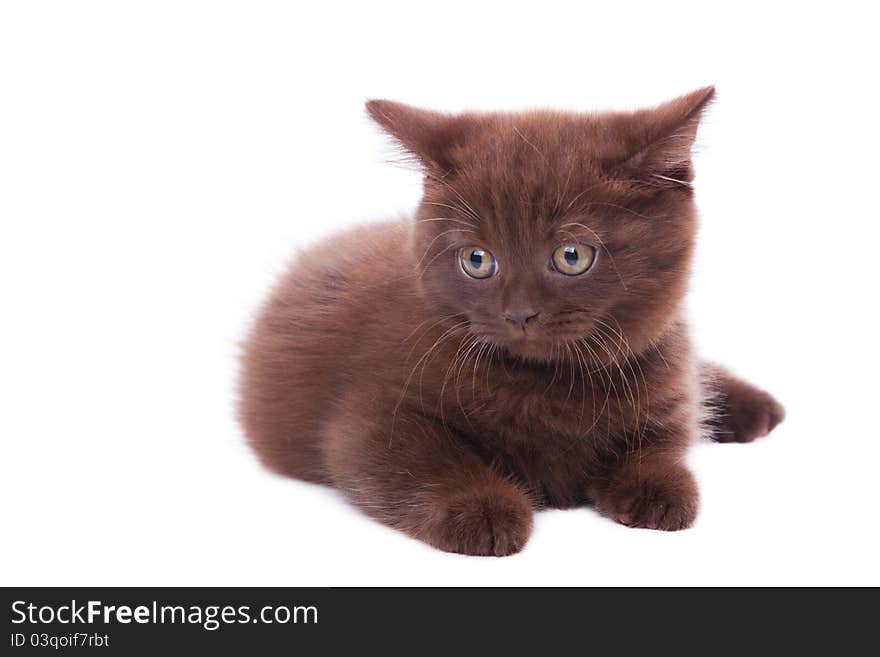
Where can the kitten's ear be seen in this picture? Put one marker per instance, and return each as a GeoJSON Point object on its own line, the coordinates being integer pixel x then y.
{"type": "Point", "coordinates": [665, 135]}
{"type": "Point", "coordinates": [426, 135]}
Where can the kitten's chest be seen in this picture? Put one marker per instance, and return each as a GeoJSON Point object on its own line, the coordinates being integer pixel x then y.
{"type": "Point", "coordinates": [550, 406]}
{"type": "Point", "coordinates": [546, 428]}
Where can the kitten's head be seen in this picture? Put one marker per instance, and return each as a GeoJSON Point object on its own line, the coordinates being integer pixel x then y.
{"type": "Point", "coordinates": [543, 229]}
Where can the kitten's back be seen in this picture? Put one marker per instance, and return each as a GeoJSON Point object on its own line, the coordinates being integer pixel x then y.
{"type": "Point", "coordinates": [307, 342]}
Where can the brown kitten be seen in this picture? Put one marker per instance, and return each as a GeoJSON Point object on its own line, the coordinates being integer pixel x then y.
{"type": "Point", "coordinates": [519, 344]}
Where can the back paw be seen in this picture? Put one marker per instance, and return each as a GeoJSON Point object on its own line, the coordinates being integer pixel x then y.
{"type": "Point", "coordinates": [740, 412]}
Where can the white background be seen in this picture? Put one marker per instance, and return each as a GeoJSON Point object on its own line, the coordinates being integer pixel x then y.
{"type": "Point", "coordinates": [160, 161]}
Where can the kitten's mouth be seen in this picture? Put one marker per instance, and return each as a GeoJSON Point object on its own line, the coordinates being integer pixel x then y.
{"type": "Point", "coordinates": [531, 342]}
{"type": "Point", "coordinates": [536, 345]}
{"type": "Point", "coordinates": [527, 343]}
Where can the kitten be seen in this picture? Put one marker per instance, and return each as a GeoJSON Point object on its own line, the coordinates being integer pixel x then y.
{"type": "Point", "coordinates": [519, 344]}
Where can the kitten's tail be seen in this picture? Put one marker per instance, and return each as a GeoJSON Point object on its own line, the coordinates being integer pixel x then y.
{"type": "Point", "coordinates": [733, 409]}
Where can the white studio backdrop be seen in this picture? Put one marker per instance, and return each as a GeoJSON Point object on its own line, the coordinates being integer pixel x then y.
{"type": "Point", "coordinates": [161, 161]}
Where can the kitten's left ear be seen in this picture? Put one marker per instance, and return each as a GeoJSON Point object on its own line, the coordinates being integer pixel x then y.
{"type": "Point", "coordinates": [665, 136]}
{"type": "Point", "coordinates": [428, 136]}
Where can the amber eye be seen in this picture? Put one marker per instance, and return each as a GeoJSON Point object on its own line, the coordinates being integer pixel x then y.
{"type": "Point", "coordinates": [477, 262]}
{"type": "Point", "coordinates": [573, 259]}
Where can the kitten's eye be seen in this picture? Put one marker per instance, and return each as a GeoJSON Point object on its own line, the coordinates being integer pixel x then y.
{"type": "Point", "coordinates": [573, 259]}
{"type": "Point", "coordinates": [477, 262]}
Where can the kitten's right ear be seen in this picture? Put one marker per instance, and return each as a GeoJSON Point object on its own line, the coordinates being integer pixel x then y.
{"type": "Point", "coordinates": [426, 135]}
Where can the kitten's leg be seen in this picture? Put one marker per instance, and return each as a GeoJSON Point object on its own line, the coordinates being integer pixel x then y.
{"type": "Point", "coordinates": [738, 411]}
{"type": "Point", "coordinates": [649, 489]}
{"type": "Point", "coordinates": [412, 474]}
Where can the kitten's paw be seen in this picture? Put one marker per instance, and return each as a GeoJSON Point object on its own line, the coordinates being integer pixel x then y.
{"type": "Point", "coordinates": [491, 520]}
{"type": "Point", "coordinates": [745, 413]}
{"type": "Point", "coordinates": [667, 502]}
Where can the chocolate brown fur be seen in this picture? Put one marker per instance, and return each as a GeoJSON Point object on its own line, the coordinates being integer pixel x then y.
{"type": "Point", "coordinates": [378, 366]}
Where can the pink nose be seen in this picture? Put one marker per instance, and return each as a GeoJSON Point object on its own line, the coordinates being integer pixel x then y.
{"type": "Point", "coordinates": [520, 318]}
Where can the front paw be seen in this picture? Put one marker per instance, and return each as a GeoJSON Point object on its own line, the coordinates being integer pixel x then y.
{"type": "Point", "coordinates": [490, 520]}
{"type": "Point", "coordinates": [667, 501]}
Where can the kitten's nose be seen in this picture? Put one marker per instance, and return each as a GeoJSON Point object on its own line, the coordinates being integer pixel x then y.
{"type": "Point", "coordinates": [520, 317]}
